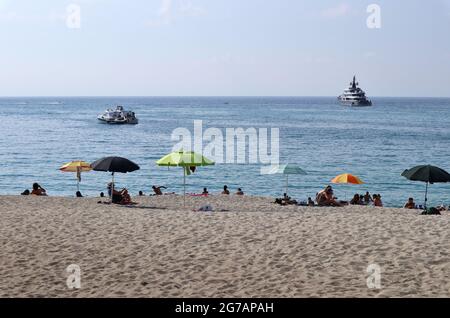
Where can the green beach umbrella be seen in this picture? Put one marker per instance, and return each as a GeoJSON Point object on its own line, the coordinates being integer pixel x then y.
{"type": "Point", "coordinates": [429, 174]}
{"type": "Point", "coordinates": [186, 160]}
{"type": "Point", "coordinates": [287, 170]}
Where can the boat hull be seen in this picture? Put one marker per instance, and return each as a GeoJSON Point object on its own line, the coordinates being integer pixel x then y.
{"type": "Point", "coordinates": [366, 103]}
{"type": "Point", "coordinates": [118, 122]}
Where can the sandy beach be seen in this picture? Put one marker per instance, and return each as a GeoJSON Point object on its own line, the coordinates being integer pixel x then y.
{"type": "Point", "coordinates": [247, 247]}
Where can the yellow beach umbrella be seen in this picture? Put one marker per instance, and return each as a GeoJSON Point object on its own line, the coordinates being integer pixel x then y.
{"type": "Point", "coordinates": [78, 167]}
{"type": "Point", "coordinates": [348, 179]}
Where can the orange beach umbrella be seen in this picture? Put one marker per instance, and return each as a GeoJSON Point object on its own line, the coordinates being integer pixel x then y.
{"type": "Point", "coordinates": [348, 179]}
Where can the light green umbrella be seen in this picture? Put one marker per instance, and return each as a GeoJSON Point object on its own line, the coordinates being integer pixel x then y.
{"type": "Point", "coordinates": [184, 159]}
{"type": "Point", "coordinates": [286, 170]}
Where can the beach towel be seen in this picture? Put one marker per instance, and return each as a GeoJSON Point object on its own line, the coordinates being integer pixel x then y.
{"type": "Point", "coordinates": [206, 208]}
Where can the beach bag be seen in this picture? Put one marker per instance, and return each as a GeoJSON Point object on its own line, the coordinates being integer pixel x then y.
{"type": "Point", "coordinates": [431, 211]}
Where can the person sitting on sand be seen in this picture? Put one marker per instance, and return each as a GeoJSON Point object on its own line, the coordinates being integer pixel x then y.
{"type": "Point", "coordinates": [331, 199]}
{"type": "Point", "coordinates": [157, 190]}
{"type": "Point", "coordinates": [310, 202]}
{"type": "Point", "coordinates": [26, 192]}
{"type": "Point", "coordinates": [320, 198]}
{"type": "Point", "coordinates": [126, 198]}
{"type": "Point", "coordinates": [326, 198]}
{"type": "Point", "coordinates": [377, 200]}
{"type": "Point", "coordinates": [225, 190]}
{"type": "Point", "coordinates": [118, 196]}
{"type": "Point", "coordinates": [205, 191]}
{"type": "Point", "coordinates": [356, 200]}
{"type": "Point", "coordinates": [38, 190]}
{"type": "Point", "coordinates": [367, 198]}
{"type": "Point", "coordinates": [239, 192]}
{"type": "Point", "coordinates": [121, 197]}
{"type": "Point", "coordinates": [78, 194]}
{"type": "Point", "coordinates": [410, 205]}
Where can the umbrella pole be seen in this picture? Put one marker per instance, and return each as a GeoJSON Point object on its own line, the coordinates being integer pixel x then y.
{"type": "Point", "coordinates": [184, 186]}
{"type": "Point", "coordinates": [426, 194]}
{"type": "Point", "coordinates": [112, 187]}
{"type": "Point", "coordinates": [287, 184]}
{"type": "Point", "coordinates": [78, 179]}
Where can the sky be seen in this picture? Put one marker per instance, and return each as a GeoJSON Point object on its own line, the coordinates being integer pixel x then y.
{"type": "Point", "coordinates": [223, 47]}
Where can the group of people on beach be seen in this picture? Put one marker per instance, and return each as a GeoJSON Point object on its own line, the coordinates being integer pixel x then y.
{"type": "Point", "coordinates": [367, 199]}
{"type": "Point", "coordinates": [122, 196]}
{"type": "Point", "coordinates": [411, 205]}
{"type": "Point", "coordinates": [36, 190]}
{"type": "Point", "coordinates": [324, 197]}
{"type": "Point", "coordinates": [157, 190]}
{"type": "Point", "coordinates": [226, 191]}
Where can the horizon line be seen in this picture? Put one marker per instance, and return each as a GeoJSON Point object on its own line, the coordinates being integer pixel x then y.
{"type": "Point", "coordinates": [207, 96]}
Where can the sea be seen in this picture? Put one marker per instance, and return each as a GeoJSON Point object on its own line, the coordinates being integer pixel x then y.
{"type": "Point", "coordinates": [38, 135]}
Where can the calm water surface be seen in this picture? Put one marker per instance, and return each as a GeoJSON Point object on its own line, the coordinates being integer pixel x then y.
{"type": "Point", "coordinates": [377, 144]}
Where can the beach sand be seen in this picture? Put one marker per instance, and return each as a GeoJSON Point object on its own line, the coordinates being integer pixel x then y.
{"type": "Point", "coordinates": [254, 249]}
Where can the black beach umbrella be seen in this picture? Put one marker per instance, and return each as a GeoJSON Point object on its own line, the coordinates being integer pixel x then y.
{"type": "Point", "coordinates": [428, 174]}
{"type": "Point", "coordinates": [114, 164]}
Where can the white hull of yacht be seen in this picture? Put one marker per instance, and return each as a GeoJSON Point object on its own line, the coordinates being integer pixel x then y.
{"type": "Point", "coordinates": [134, 121]}
{"type": "Point", "coordinates": [365, 103]}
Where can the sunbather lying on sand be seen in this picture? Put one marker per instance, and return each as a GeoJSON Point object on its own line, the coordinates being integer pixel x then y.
{"type": "Point", "coordinates": [285, 200]}
{"type": "Point", "coordinates": [288, 199]}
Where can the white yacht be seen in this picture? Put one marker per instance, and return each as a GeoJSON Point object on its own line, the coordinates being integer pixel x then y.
{"type": "Point", "coordinates": [118, 116]}
{"type": "Point", "coordinates": [354, 96]}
